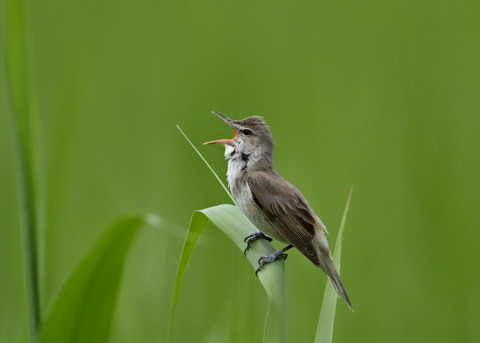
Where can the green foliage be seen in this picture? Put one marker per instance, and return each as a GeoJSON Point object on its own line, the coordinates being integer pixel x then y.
{"type": "Point", "coordinates": [327, 313]}
{"type": "Point", "coordinates": [84, 309]}
{"type": "Point", "coordinates": [236, 226]}
{"type": "Point", "coordinates": [27, 149]}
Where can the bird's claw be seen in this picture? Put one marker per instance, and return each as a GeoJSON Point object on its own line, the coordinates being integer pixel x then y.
{"type": "Point", "coordinates": [262, 261]}
{"type": "Point", "coordinates": [252, 238]}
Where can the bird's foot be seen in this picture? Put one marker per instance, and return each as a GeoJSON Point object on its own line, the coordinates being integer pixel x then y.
{"type": "Point", "coordinates": [269, 259]}
{"type": "Point", "coordinates": [252, 238]}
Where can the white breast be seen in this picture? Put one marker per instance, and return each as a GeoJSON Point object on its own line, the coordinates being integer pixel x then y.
{"type": "Point", "coordinates": [235, 166]}
{"type": "Point", "coordinates": [243, 195]}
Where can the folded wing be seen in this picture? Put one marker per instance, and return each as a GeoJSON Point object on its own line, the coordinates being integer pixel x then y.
{"type": "Point", "coordinates": [287, 210]}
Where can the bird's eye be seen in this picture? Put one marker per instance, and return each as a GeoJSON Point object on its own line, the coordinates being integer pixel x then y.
{"type": "Point", "coordinates": [247, 132]}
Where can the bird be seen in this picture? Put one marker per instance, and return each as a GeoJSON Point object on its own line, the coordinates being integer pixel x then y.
{"type": "Point", "coordinates": [276, 207]}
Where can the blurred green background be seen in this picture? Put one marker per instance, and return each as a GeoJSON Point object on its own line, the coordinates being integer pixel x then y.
{"type": "Point", "coordinates": [380, 95]}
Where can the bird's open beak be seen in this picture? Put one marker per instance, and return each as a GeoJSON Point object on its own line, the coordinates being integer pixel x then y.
{"type": "Point", "coordinates": [229, 122]}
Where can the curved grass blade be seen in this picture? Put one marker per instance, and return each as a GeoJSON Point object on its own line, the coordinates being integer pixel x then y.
{"type": "Point", "coordinates": [329, 304]}
{"type": "Point", "coordinates": [197, 224]}
{"type": "Point", "coordinates": [236, 226]}
{"type": "Point", "coordinates": [84, 308]}
{"type": "Point", "coordinates": [28, 149]}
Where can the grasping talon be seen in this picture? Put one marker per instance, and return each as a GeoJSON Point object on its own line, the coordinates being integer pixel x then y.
{"type": "Point", "coordinates": [252, 238]}
{"type": "Point", "coordinates": [262, 261]}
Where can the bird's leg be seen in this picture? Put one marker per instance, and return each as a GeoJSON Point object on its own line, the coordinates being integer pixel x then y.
{"type": "Point", "coordinates": [273, 257]}
{"type": "Point", "coordinates": [252, 238]}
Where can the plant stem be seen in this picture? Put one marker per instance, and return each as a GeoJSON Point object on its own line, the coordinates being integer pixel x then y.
{"type": "Point", "coordinates": [26, 146]}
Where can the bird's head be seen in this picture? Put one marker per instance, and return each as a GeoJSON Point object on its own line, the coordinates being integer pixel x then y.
{"type": "Point", "coordinates": [252, 137]}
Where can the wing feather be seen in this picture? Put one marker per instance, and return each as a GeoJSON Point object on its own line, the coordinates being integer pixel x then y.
{"type": "Point", "coordinates": [286, 209]}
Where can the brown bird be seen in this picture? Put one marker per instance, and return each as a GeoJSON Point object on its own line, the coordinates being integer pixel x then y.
{"type": "Point", "coordinates": [271, 203]}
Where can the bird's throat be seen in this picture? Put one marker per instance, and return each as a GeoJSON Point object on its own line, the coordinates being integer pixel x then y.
{"type": "Point", "coordinates": [237, 165]}
{"type": "Point", "coordinates": [241, 162]}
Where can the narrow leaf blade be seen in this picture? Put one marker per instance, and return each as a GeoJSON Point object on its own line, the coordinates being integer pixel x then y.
{"type": "Point", "coordinates": [195, 229]}
{"type": "Point", "coordinates": [329, 304]}
{"type": "Point", "coordinates": [208, 165]}
{"type": "Point", "coordinates": [27, 149]}
{"type": "Point", "coordinates": [236, 226]}
{"type": "Point", "coordinates": [83, 310]}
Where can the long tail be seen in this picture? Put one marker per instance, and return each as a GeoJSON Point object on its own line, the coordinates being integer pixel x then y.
{"type": "Point", "coordinates": [337, 282]}
{"type": "Point", "coordinates": [326, 264]}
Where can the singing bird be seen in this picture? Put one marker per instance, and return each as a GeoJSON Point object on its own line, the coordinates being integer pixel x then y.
{"type": "Point", "coordinates": [271, 203]}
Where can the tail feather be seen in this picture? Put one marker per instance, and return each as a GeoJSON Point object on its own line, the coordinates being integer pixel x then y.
{"type": "Point", "coordinates": [326, 264]}
{"type": "Point", "coordinates": [338, 285]}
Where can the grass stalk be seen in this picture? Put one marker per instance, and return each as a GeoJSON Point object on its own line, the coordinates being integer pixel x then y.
{"type": "Point", "coordinates": [208, 165]}
{"type": "Point", "coordinates": [24, 123]}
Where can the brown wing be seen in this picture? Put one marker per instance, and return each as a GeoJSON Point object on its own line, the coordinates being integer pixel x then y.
{"type": "Point", "coordinates": [287, 210]}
